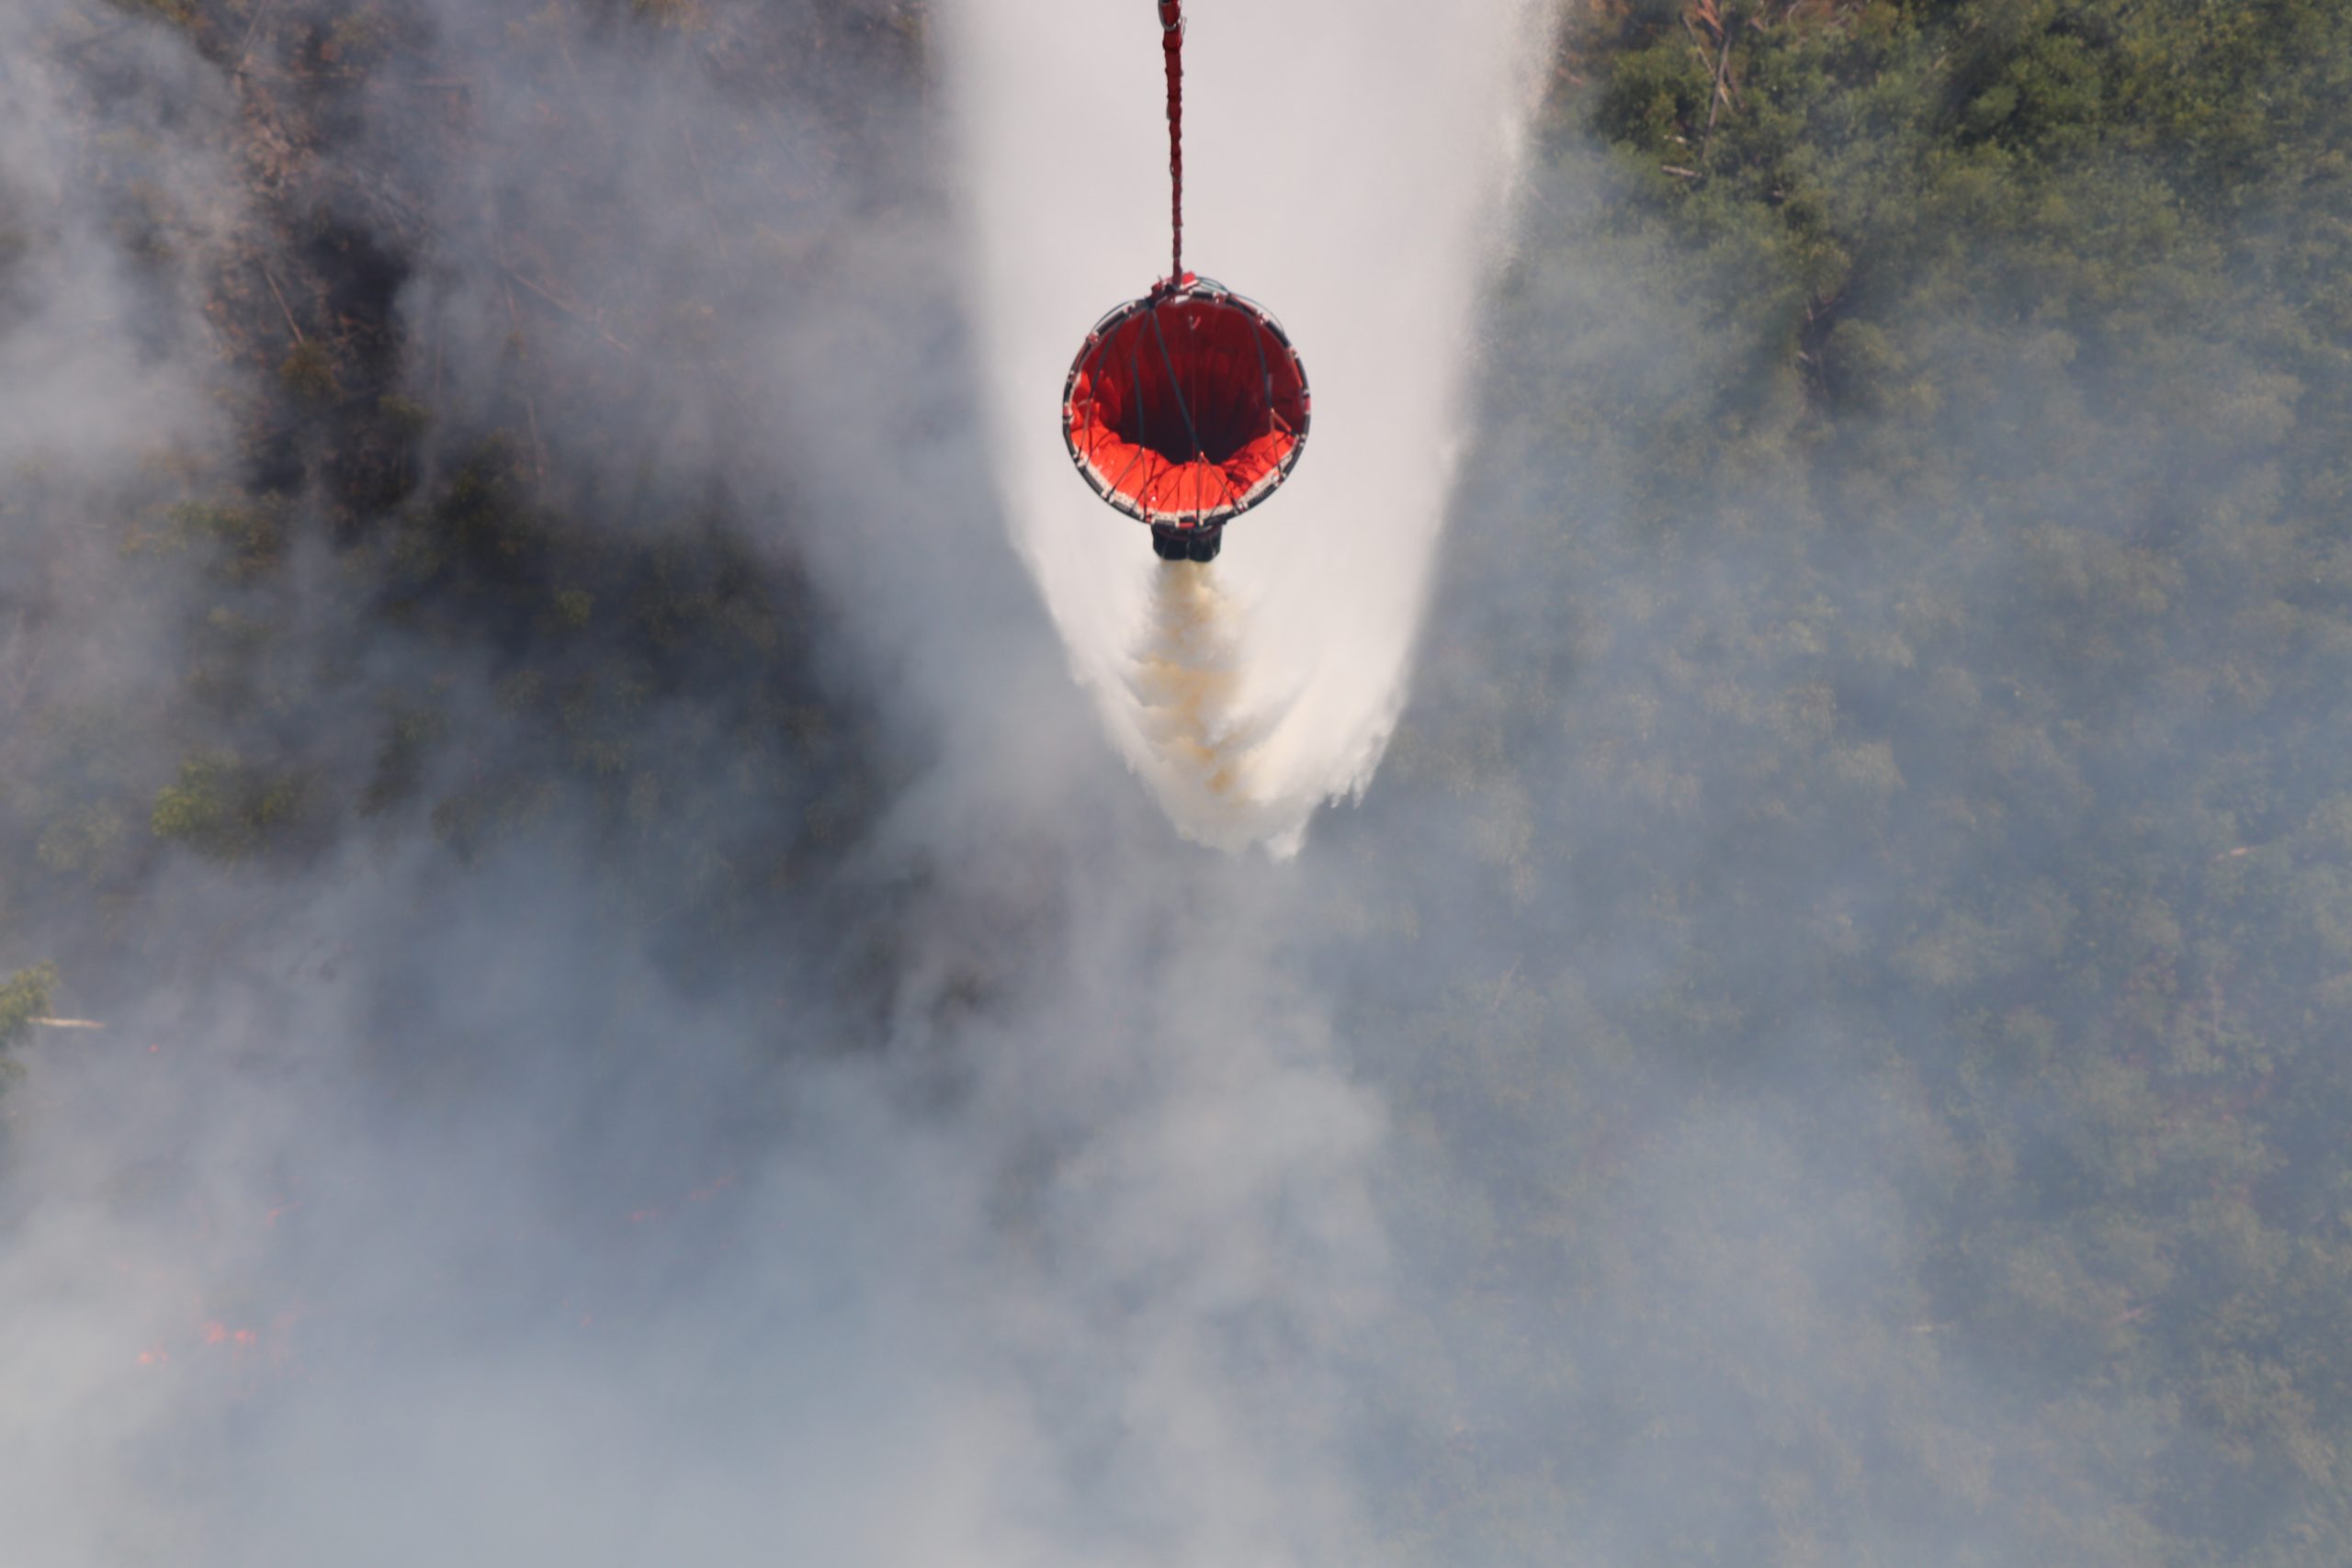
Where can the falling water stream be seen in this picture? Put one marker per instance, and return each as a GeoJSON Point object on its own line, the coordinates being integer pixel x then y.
{"type": "Point", "coordinates": [1348, 163]}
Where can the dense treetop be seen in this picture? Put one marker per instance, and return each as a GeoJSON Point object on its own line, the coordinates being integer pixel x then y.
{"type": "Point", "coordinates": [1925, 428]}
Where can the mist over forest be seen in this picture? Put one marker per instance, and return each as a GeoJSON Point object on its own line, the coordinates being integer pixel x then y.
{"type": "Point", "coordinates": [580, 982]}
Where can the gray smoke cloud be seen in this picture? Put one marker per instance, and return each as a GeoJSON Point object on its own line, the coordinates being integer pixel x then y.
{"type": "Point", "coordinates": [767, 1081]}
{"type": "Point", "coordinates": [999, 1201]}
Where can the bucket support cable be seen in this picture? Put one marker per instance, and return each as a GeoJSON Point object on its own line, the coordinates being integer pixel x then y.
{"type": "Point", "coordinates": [1171, 45]}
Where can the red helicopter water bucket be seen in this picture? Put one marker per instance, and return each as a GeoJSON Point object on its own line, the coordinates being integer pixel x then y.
{"type": "Point", "coordinates": [1187, 407]}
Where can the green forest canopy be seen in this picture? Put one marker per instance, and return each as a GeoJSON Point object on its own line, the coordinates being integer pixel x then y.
{"type": "Point", "coordinates": [1929, 424]}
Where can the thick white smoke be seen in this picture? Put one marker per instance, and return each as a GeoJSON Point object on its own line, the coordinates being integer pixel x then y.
{"type": "Point", "coordinates": [327, 1250]}
{"type": "Point", "coordinates": [1346, 163]}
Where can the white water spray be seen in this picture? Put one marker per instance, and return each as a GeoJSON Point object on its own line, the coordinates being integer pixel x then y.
{"type": "Point", "coordinates": [1347, 164]}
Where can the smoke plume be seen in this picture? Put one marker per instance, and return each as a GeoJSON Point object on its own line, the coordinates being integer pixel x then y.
{"type": "Point", "coordinates": [504, 1168]}
{"type": "Point", "coordinates": [637, 838]}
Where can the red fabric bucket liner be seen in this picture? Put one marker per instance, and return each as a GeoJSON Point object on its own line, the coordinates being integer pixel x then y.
{"type": "Point", "coordinates": [1186, 409]}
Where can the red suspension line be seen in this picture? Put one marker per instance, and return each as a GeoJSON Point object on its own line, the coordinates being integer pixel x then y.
{"type": "Point", "coordinates": [1171, 44]}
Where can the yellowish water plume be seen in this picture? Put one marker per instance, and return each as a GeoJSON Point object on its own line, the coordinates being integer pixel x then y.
{"type": "Point", "coordinates": [1185, 678]}
{"type": "Point", "coordinates": [1186, 682]}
